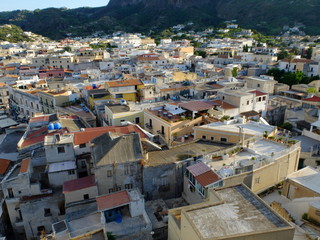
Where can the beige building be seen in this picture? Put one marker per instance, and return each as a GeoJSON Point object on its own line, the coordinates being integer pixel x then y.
{"type": "Point", "coordinates": [50, 99]}
{"type": "Point", "coordinates": [262, 83]}
{"type": "Point", "coordinates": [92, 55]}
{"type": "Point", "coordinates": [179, 76]}
{"type": "Point", "coordinates": [170, 121]}
{"type": "Point", "coordinates": [234, 212]}
{"type": "Point", "coordinates": [303, 183]}
{"type": "Point", "coordinates": [117, 114]}
{"type": "Point", "coordinates": [4, 95]}
{"type": "Point", "coordinates": [65, 60]}
{"type": "Point", "coordinates": [80, 189]}
{"type": "Point", "coordinates": [233, 131]}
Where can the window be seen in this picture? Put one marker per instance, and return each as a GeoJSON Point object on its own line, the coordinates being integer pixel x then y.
{"type": "Point", "coordinates": [212, 138]}
{"type": "Point", "coordinates": [257, 180]}
{"type": "Point", "coordinates": [111, 190]}
{"type": "Point", "coordinates": [128, 186]}
{"type": "Point", "coordinates": [47, 212]}
{"type": "Point", "coordinates": [264, 98]}
{"type": "Point", "coordinates": [109, 173]}
{"type": "Point", "coordinates": [82, 145]}
{"type": "Point", "coordinates": [61, 150]}
{"type": "Point", "coordinates": [248, 102]}
{"type": "Point", "coordinates": [258, 85]}
{"type": "Point", "coordinates": [85, 196]}
{"type": "Point", "coordinates": [223, 139]}
{"type": "Point", "coordinates": [119, 95]}
{"type": "Point", "coordinates": [204, 137]}
{"type": "Point", "coordinates": [41, 230]}
{"type": "Point", "coordinates": [137, 120]}
{"type": "Point", "coordinates": [71, 172]}
{"type": "Point", "coordinates": [10, 193]}
{"type": "Point", "coordinates": [126, 169]}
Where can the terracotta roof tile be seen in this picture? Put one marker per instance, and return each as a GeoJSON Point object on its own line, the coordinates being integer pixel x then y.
{"type": "Point", "coordinates": [77, 184]}
{"type": "Point", "coordinates": [223, 104]}
{"type": "Point", "coordinates": [258, 93]}
{"type": "Point", "coordinates": [124, 83]}
{"type": "Point", "coordinates": [39, 135]}
{"type": "Point", "coordinates": [197, 105]}
{"type": "Point", "coordinates": [24, 165]}
{"type": "Point", "coordinates": [4, 165]}
{"type": "Point", "coordinates": [91, 133]}
{"type": "Point", "coordinates": [39, 119]}
{"type": "Point", "coordinates": [207, 178]}
{"type": "Point", "coordinates": [112, 200]}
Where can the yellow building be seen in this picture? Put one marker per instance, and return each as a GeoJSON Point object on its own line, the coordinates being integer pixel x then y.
{"type": "Point", "coordinates": [49, 99]}
{"type": "Point", "coordinates": [229, 213]}
{"type": "Point", "coordinates": [127, 89]}
{"type": "Point", "coordinates": [96, 95]}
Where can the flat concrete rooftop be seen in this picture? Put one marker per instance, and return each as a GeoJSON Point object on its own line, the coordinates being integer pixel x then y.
{"type": "Point", "coordinates": [183, 152]}
{"type": "Point", "coordinates": [253, 129]}
{"type": "Point", "coordinates": [241, 212]}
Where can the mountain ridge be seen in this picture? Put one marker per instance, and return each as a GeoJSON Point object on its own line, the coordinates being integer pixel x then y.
{"type": "Point", "coordinates": [267, 16]}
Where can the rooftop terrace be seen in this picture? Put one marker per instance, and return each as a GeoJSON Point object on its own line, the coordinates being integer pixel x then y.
{"type": "Point", "coordinates": [240, 212]}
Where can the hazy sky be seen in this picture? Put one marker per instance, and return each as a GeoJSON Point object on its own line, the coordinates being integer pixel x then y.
{"type": "Point", "coordinates": [34, 4]}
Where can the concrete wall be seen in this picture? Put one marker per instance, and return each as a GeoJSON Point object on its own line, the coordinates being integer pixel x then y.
{"type": "Point", "coordinates": [119, 177]}
{"type": "Point", "coordinates": [52, 154]}
{"type": "Point", "coordinates": [268, 175]}
{"type": "Point", "coordinates": [34, 216]}
{"type": "Point", "coordinates": [78, 195]}
{"type": "Point", "coordinates": [164, 181]}
{"type": "Point", "coordinates": [56, 179]}
{"type": "Point", "coordinates": [293, 190]}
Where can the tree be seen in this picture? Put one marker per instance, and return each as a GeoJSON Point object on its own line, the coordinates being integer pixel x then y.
{"type": "Point", "coordinates": [234, 72]}
{"type": "Point", "coordinates": [295, 51]}
{"type": "Point", "coordinates": [68, 49]}
{"type": "Point", "coordinates": [309, 53]}
{"type": "Point", "coordinates": [312, 90]}
{"type": "Point", "coordinates": [283, 54]}
{"type": "Point", "coordinates": [201, 53]}
{"type": "Point", "coordinates": [111, 236]}
{"type": "Point", "coordinates": [287, 126]}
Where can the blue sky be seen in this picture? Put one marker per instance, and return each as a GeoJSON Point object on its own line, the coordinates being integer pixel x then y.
{"type": "Point", "coordinates": [34, 4]}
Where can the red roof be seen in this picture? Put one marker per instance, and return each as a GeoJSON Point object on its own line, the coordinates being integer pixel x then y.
{"type": "Point", "coordinates": [91, 133]}
{"type": "Point", "coordinates": [113, 200]}
{"type": "Point", "coordinates": [223, 104]}
{"type": "Point", "coordinates": [39, 135]}
{"type": "Point", "coordinates": [258, 93]}
{"type": "Point", "coordinates": [44, 118]}
{"type": "Point", "coordinates": [312, 99]}
{"type": "Point", "coordinates": [77, 184]}
{"type": "Point", "coordinates": [4, 165]}
{"type": "Point", "coordinates": [203, 174]}
{"type": "Point", "coordinates": [207, 178]}
{"type": "Point", "coordinates": [197, 105]}
{"type": "Point", "coordinates": [124, 83]}
{"type": "Point", "coordinates": [24, 165]}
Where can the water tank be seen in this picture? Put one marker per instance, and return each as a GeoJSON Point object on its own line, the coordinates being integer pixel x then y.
{"type": "Point", "coordinates": [57, 125]}
{"type": "Point", "coordinates": [94, 86]}
{"type": "Point", "coordinates": [51, 126]}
